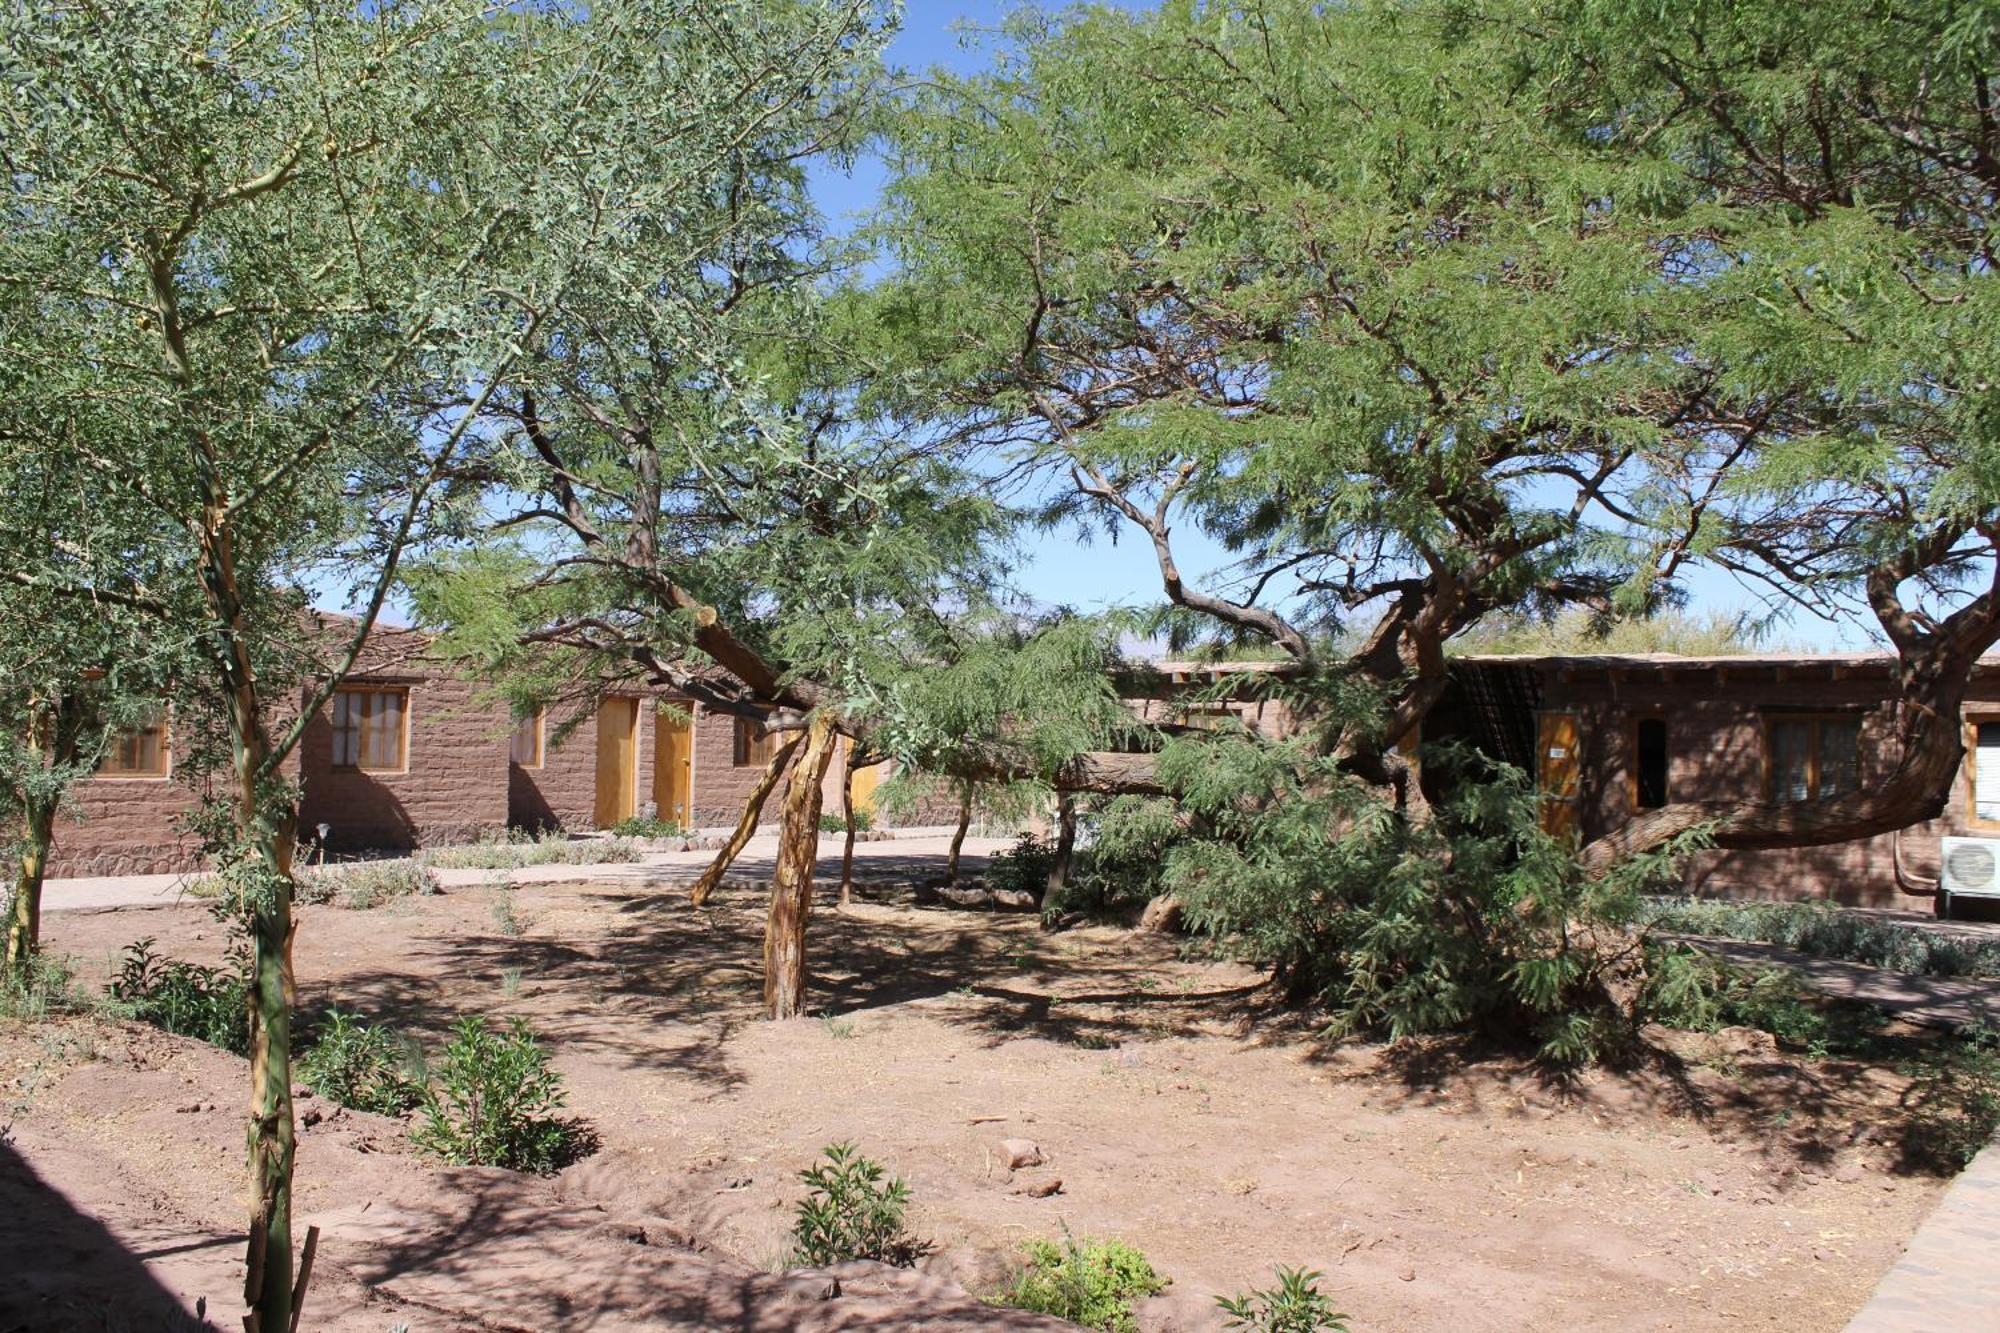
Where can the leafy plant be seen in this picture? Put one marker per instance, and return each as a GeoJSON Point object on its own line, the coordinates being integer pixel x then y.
{"type": "Point", "coordinates": [1470, 917]}
{"type": "Point", "coordinates": [864, 820]}
{"type": "Point", "coordinates": [852, 1211]}
{"type": "Point", "coordinates": [1954, 1102]}
{"type": "Point", "coordinates": [210, 1004]}
{"type": "Point", "coordinates": [493, 1101]}
{"type": "Point", "coordinates": [647, 826]}
{"type": "Point", "coordinates": [359, 1065]}
{"type": "Point", "coordinates": [40, 986]}
{"type": "Point", "coordinates": [1295, 1305]}
{"type": "Point", "coordinates": [365, 884]}
{"type": "Point", "coordinates": [1024, 867]}
{"type": "Point", "coordinates": [1825, 930]}
{"type": "Point", "coordinates": [1088, 1282]}
{"type": "Point", "coordinates": [548, 849]}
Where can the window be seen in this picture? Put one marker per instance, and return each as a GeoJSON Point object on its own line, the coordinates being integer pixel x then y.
{"type": "Point", "coordinates": [137, 752]}
{"type": "Point", "coordinates": [526, 747]}
{"type": "Point", "coordinates": [753, 748]}
{"type": "Point", "coordinates": [370, 730]}
{"type": "Point", "coordinates": [1649, 763]}
{"type": "Point", "coordinates": [1811, 758]}
{"type": "Point", "coordinates": [1985, 745]}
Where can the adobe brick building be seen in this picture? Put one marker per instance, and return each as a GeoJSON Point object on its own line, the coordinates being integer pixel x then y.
{"type": "Point", "coordinates": [1607, 736]}
{"type": "Point", "coordinates": [408, 754]}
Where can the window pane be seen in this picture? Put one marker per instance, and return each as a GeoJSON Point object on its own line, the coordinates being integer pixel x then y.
{"type": "Point", "coordinates": [1839, 756]}
{"type": "Point", "coordinates": [526, 749]}
{"type": "Point", "coordinates": [1986, 772]}
{"type": "Point", "coordinates": [1791, 752]}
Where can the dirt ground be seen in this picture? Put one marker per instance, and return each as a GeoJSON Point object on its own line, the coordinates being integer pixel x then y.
{"type": "Point", "coordinates": [1179, 1108]}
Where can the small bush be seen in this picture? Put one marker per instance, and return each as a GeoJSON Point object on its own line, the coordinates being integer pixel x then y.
{"type": "Point", "coordinates": [210, 1004]}
{"type": "Point", "coordinates": [1954, 1102]}
{"type": "Point", "coordinates": [647, 826]}
{"type": "Point", "coordinates": [1295, 1305]}
{"type": "Point", "coordinates": [554, 849]}
{"type": "Point", "coordinates": [851, 1212]}
{"type": "Point", "coordinates": [43, 986]}
{"type": "Point", "coordinates": [359, 1066]}
{"type": "Point", "coordinates": [1089, 1282]}
{"type": "Point", "coordinates": [1024, 867]}
{"type": "Point", "coordinates": [365, 884]}
{"type": "Point", "coordinates": [1826, 931]}
{"type": "Point", "coordinates": [493, 1102]}
{"type": "Point", "coordinates": [831, 823]}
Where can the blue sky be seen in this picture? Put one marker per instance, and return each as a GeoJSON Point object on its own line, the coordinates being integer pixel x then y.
{"type": "Point", "coordinates": [1059, 568]}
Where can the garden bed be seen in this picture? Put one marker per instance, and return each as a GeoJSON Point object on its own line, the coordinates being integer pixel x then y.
{"type": "Point", "coordinates": [1723, 1183]}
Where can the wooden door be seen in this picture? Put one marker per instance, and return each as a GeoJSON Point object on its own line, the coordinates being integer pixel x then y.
{"type": "Point", "coordinates": [1559, 772]}
{"type": "Point", "coordinates": [617, 761]}
{"type": "Point", "coordinates": [865, 781]}
{"type": "Point", "coordinates": [673, 763]}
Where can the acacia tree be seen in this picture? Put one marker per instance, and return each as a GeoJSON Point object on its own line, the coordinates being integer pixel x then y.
{"type": "Point", "coordinates": [1428, 313]}
{"type": "Point", "coordinates": [1841, 159]}
{"type": "Point", "coordinates": [1279, 275]}
{"type": "Point", "coordinates": [276, 261]}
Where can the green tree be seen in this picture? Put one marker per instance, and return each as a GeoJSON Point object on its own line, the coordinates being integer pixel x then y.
{"type": "Point", "coordinates": [273, 264]}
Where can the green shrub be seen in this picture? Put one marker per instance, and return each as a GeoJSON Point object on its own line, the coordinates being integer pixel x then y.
{"type": "Point", "coordinates": [851, 1212]}
{"type": "Point", "coordinates": [1824, 930]}
{"type": "Point", "coordinates": [647, 826]}
{"type": "Point", "coordinates": [493, 1101]}
{"type": "Point", "coordinates": [360, 1066]}
{"type": "Point", "coordinates": [210, 1004]}
{"type": "Point", "coordinates": [864, 820]}
{"type": "Point", "coordinates": [1954, 1101]}
{"type": "Point", "coordinates": [1024, 867]}
{"type": "Point", "coordinates": [1120, 869]}
{"type": "Point", "coordinates": [43, 985]}
{"type": "Point", "coordinates": [1295, 1305]}
{"type": "Point", "coordinates": [1470, 919]}
{"type": "Point", "coordinates": [365, 884]}
{"type": "Point", "coordinates": [1091, 1282]}
{"type": "Point", "coordinates": [553, 849]}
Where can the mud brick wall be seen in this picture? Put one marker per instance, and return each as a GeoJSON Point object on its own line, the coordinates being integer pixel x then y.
{"type": "Point", "coordinates": [453, 789]}
{"type": "Point", "coordinates": [125, 826]}
{"type": "Point", "coordinates": [720, 786]}
{"type": "Point", "coordinates": [1715, 750]}
{"type": "Point", "coordinates": [562, 793]}
{"type": "Point", "coordinates": [135, 826]}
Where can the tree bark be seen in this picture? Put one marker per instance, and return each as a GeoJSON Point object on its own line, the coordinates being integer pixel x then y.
{"type": "Point", "coordinates": [958, 836]}
{"type": "Point", "coordinates": [1065, 848]}
{"type": "Point", "coordinates": [746, 824]}
{"type": "Point", "coordinates": [791, 888]}
{"type": "Point", "coordinates": [847, 813]}
{"type": "Point", "coordinates": [24, 917]}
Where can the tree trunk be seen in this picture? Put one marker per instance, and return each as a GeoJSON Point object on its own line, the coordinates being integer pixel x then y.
{"type": "Point", "coordinates": [958, 837]}
{"type": "Point", "coordinates": [847, 812]}
{"type": "Point", "coordinates": [1065, 848]}
{"type": "Point", "coordinates": [746, 825]}
{"type": "Point", "coordinates": [266, 836]}
{"type": "Point", "coordinates": [24, 917]}
{"type": "Point", "coordinates": [791, 888]}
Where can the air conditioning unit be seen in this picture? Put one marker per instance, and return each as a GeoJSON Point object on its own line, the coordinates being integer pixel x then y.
{"type": "Point", "coordinates": [1967, 868]}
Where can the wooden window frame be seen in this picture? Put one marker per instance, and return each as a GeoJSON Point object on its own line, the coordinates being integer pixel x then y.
{"type": "Point", "coordinates": [748, 748]}
{"type": "Point", "coordinates": [1971, 721]}
{"type": "Point", "coordinates": [1772, 717]}
{"type": "Point", "coordinates": [540, 718]}
{"type": "Point", "coordinates": [163, 773]}
{"type": "Point", "coordinates": [402, 738]}
{"type": "Point", "coordinates": [1632, 768]}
